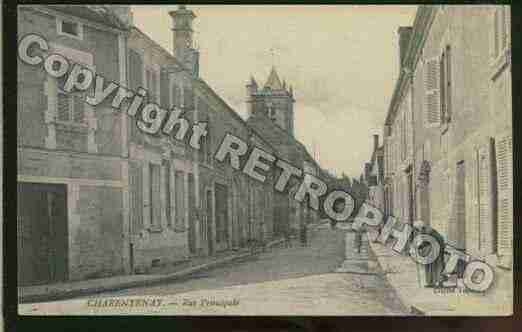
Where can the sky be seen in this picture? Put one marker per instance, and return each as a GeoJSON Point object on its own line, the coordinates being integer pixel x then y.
{"type": "Point", "coordinates": [342, 62]}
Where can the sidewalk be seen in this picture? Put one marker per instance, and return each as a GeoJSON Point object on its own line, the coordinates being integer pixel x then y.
{"type": "Point", "coordinates": [66, 290]}
{"type": "Point", "coordinates": [401, 273]}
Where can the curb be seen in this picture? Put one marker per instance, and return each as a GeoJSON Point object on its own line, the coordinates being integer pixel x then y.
{"type": "Point", "coordinates": [413, 310]}
{"type": "Point", "coordinates": [62, 295]}
{"type": "Point", "coordinates": [67, 294]}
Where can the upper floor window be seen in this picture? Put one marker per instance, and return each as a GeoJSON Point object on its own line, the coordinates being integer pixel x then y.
{"type": "Point", "coordinates": [438, 85]}
{"type": "Point", "coordinates": [151, 81]}
{"type": "Point", "coordinates": [500, 31]}
{"type": "Point", "coordinates": [69, 28]}
{"type": "Point", "coordinates": [70, 108]}
{"type": "Point", "coordinates": [445, 85]}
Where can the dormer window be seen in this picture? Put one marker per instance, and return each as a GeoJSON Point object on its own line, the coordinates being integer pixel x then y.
{"type": "Point", "coordinates": [69, 28]}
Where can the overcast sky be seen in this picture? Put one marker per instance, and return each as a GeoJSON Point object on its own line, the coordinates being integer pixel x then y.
{"type": "Point", "coordinates": [341, 60]}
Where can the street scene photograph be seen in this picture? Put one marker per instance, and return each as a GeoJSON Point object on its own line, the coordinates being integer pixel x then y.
{"type": "Point", "coordinates": [264, 160]}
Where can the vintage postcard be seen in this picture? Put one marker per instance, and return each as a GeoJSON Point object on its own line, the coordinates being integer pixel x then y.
{"type": "Point", "coordinates": [312, 160]}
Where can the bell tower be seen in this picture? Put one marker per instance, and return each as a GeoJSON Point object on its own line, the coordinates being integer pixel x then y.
{"type": "Point", "coordinates": [274, 101]}
{"type": "Point", "coordinates": [183, 38]}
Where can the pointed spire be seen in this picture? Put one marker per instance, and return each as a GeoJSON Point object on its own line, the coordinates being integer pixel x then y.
{"type": "Point", "coordinates": [273, 81]}
{"type": "Point", "coordinates": [252, 81]}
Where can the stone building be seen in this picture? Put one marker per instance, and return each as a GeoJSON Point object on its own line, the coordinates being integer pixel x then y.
{"type": "Point", "coordinates": [447, 141]}
{"type": "Point", "coordinates": [72, 157]}
{"type": "Point", "coordinates": [270, 111]}
{"type": "Point", "coordinates": [201, 206]}
{"type": "Point", "coordinates": [374, 175]}
{"type": "Point", "coordinates": [116, 200]}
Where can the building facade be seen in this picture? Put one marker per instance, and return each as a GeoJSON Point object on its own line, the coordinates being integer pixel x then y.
{"type": "Point", "coordinates": [72, 157]}
{"type": "Point", "coordinates": [374, 175]}
{"type": "Point", "coordinates": [447, 134]}
{"type": "Point", "coordinates": [116, 200]}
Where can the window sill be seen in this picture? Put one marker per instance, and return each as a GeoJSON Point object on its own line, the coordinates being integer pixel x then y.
{"type": "Point", "coordinates": [155, 229]}
{"type": "Point", "coordinates": [71, 126]}
{"type": "Point", "coordinates": [500, 63]}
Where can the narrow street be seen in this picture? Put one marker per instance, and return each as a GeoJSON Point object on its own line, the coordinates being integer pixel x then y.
{"type": "Point", "coordinates": [293, 280]}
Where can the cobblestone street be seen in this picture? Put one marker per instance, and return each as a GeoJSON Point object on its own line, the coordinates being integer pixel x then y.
{"type": "Point", "coordinates": [293, 280]}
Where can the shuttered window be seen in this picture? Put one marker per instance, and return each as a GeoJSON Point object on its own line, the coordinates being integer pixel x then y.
{"type": "Point", "coordinates": [176, 96]}
{"type": "Point", "coordinates": [167, 182]}
{"type": "Point", "coordinates": [151, 77]}
{"type": "Point", "coordinates": [500, 32]}
{"type": "Point", "coordinates": [485, 199]}
{"type": "Point", "coordinates": [136, 185]}
{"type": "Point", "coordinates": [70, 108]}
{"type": "Point", "coordinates": [445, 85]}
{"type": "Point", "coordinates": [504, 155]}
{"type": "Point", "coordinates": [154, 192]}
{"type": "Point", "coordinates": [188, 98]}
{"type": "Point", "coordinates": [179, 188]}
{"type": "Point", "coordinates": [135, 70]}
{"type": "Point", "coordinates": [63, 113]}
{"type": "Point", "coordinates": [432, 93]}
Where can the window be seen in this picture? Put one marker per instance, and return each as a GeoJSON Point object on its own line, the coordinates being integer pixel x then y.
{"type": "Point", "coordinates": [69, 28]}
{"type": "Point", "coordinates": [188, 98]}
{"type": "Point", "coordinates": [179, 189]}
{"type": "Point", "coordinates": [154, 194]}
{"type": "Point", "coordinates": [272, 113]}
{"type": "Point", "coordinates": [504, 165]}
{"type": "Point", "coordinates": [500, 31]}
{"type": "Point", "coordinates": [432, 93]}
{"type": "Point", "coordinates": [70, 108]}
{"type": "Point", "coordinates": [176, 96]}
{"type": "Point", "coordinates": [166, 165]}
{"type": "Point", "coordinates": [151, 81]}
{"type": "Point", "coordinates": [445, 85]}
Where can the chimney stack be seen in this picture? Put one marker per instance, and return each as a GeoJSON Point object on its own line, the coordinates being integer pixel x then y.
{"type": "Point", "coordinates": [404, 41]}
{"type": "Point", "coordinates": [182, 38]}
{"type": "Point", "coordinates": [375, 142]}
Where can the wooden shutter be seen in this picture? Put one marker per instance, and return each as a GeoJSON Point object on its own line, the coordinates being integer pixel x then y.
{"type": "Point", "coordinates": [176, 95]}
{"type": "Point", "coordinates": [64, 107]}
{"type": "Point", "coordinates": [432, 92]}
{"type": "Point", "coordinates": [135, 70]}
{"type": "Point", "coordinates": [155, 198]}
{"type": "Point", "coordinates": [503, 28]}
{"type": "Point", "coordinates": [504, 154]}
{"type": "Point", "coordinates": [136, 185]}
{"type": "Point", "coordinates": [486, 196]}
{"type": "Point", "coordinates": [166, 183]}
{"type": "Point", "coordinates": [79, 109]}
{"type": "Point", "coordinates": [180, 198]}
{"type": "Point", "coordinates": [188, 97]}
{"type": "Point", "coordinates": [409, 131]}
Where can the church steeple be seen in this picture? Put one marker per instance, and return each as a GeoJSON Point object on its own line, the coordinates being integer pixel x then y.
{"type": "Point", "coordinates": [273, 82]}
{"type": "Point", "coordinates": [273, 101]}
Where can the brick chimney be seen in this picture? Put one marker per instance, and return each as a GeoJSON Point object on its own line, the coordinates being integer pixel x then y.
{"type": "Point", "coordinates": [404, 41]}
